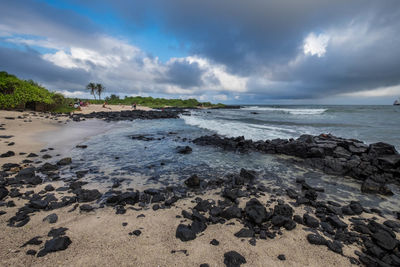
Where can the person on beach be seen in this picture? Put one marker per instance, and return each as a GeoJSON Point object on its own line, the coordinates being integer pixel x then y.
{"type": "Point", "coordinates": [134, 106]}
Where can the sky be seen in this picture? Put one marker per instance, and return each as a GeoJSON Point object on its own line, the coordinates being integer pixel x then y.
{"type": "Point", "coordinates": [229, 51]}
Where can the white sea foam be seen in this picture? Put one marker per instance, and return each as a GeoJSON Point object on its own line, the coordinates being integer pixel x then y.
{"type": "Point", "coordinates": [234, 129]}
{"type": "Point", "coordinates": [293, 111]}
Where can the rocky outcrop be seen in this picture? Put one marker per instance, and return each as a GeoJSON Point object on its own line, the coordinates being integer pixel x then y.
{"type": "Point", "coordinates": [376, 164]}
{"type": "Point", "coordinates": [129, 115]}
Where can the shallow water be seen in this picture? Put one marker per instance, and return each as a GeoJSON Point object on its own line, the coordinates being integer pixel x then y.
{"type": "Point", "coordinates": [113, 155]}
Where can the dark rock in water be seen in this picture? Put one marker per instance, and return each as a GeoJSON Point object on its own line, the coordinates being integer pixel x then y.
{"type": "Point", "coordinates": [184, 233]}
{"type": "Point", "coordinates": [245, 232]}
{"type": "Point", "coordinates": [85, 195]}
{"type": "Point", "coordinates": [55, 244]}
{"type": "Point", "coordinates": [370, 186]}
{"type": "Point", "coordinates": [52, 218]}
{"type": "Point", "coordinates": [214, 242]}
{"type": "Point", "coordinates": [81, 146]}
{"type": "Point", "coordinates": [184, 149]}
{"type": "Point", "coordinates": [81, 174]}
{"type": "Point", "coordinates": [316, 239]}
{"type": "Point", "coordinates": [310, 221]}
{"type": "Point", "coordinates": [33, 241]}
{"type": "Point", "coordinates": [3, 192]}
{"type": "Point", "coordinates": [204, 265]}
{"type": "Point", "coordinates": [31, 252]}
{"type": "Point", "coordinates": [384, 240]}
{"type": "Point", "coordinates": [86, 208]}
{"type": "Point", "coordinates": [64, 161]}
{"type": "Point", "coordinates": [255, 211]}
{"type": "Point", "coordinates": [193, 181]}
{"type": "Point", "coordinates": [46, 156]}
{"type": "Point", "coordinates": [381, 149]}
{"type": "Point", "coordinates": [248, 174]}
{"type": "Point", "coordinates": [292, 193]}
{"type": "Point", "coordinates": [281, 257]}
{"type": "Point", "coordinates": [49, 188]}
{"type": "Point", "coordinates": [231, 212]}
{"type": "Point", "coordinates": [311, 194]}
{"type": "Point", "coordinates": [233, 259]}
{"type": "Point", "coordinates": [57, 232]}
{"type": "Point", "coordinates": [48, 167]}
{"type": "Point", "coordinates": [136, 233]}
{"type": "Point", "coordinates": [7, 154]}
{"type": "Point", "coordinates": [32, 155]}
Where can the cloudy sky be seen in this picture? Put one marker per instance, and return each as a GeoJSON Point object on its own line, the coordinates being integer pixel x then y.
{"type": "Point", "coordinates": [230, 51]}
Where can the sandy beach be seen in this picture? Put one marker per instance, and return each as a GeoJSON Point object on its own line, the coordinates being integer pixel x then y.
{"type": "Point", "coordinates": [99, 108]}
{"type": "Point", "coordinates": [103, 238]}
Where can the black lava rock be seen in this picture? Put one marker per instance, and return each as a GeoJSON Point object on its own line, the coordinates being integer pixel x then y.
{"type": "Point", "coordinates": [255, 211]}
{"type": "Point", "coordinates": [184, 233]}
{"type": "Point", "coordinates": [233, 259]}
{"type": "Point", "coordinates": [316, 239]}
{"type": "Point", "coordinates": [55, 244]}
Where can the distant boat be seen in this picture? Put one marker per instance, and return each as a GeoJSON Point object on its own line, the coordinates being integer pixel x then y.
{"type": "Point", "coordinates": [397, 102]}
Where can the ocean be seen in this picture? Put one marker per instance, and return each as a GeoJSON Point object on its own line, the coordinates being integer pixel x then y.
{"type": "Point", "coordinates": [366, 123]}
{"type": "Point", "coordinates": [114, 156]}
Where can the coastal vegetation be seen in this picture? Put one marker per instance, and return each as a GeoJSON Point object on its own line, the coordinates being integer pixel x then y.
{"type": "Point", "coordinates": [16, 93]}
{"type": "Point", "coordinates": [156, 102]}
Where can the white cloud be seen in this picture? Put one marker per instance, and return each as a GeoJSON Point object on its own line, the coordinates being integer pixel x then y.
{"type": "Point", "coordinates": [315, 44]}
{"type": "Point", "coordinates": [393, 91]}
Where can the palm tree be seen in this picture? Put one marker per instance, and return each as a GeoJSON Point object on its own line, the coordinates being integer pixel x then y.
{"type": "Point", "coordinates": [100, 88]}
{"type": "Point", "coordinates": [92, 87]}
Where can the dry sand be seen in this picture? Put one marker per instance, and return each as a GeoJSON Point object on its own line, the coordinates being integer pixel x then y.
{"type": "Point", "coordinates": [97, 108]}
{"type": "Point", "coordinates": [26, 132]}
{"type": "Point", "coordinates": [99, 239]}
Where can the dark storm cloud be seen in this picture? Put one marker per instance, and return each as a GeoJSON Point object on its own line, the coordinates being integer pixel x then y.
{"type": "Point", "coordinates": [183, 74]}
{"type": "Point", "coordinates": [29, 65]}
{"type": "Point", "coordinates": [254, 37]}
{"type": "Point", "coordinates": [39, 19]}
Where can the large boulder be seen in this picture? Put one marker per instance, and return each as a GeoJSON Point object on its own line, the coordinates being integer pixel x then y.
{"type": "Point", "coordinates": [255, 211]}
{"type": "Point", "coordinates": [233, 259]}
{"type": "Point", "coordinates": [381, 149]}
{"type": "Point", "coordinates": [193, 181]}
{"type": "Point", "coordinates": [185, 233]}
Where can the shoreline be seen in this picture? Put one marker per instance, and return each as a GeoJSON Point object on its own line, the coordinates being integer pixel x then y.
{"type": "Point", "coordinates": [98, 237]}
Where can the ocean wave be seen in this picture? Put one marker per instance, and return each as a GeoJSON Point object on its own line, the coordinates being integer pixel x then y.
{"type": "Point", "coordinates": [293, 111]}
{"type": "Point", "coordinates": [233, 129]}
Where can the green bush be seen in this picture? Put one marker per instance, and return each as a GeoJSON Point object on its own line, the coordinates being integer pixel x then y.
{"type": "Point", "coordinates": [15, 92]}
